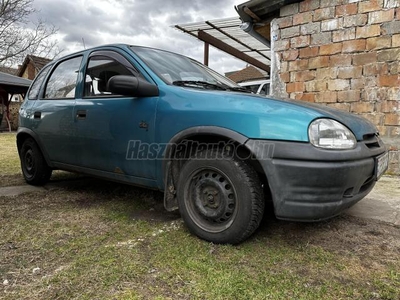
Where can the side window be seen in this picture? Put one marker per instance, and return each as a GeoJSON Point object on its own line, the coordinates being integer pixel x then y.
{"type": "Point", "coordinates": [254, 88]}
{"type": "Point", "coordinates": [62, 81]}
{"type": "Point", "coordinates": [100, 69]}
{"type": "Point", "coordinates": [35, 87]}
{"type": "Point", "coordinates": [265, 89]}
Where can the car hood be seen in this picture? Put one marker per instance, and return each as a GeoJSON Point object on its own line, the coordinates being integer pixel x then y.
{"type": "Point", "coordinates": [252, 115]}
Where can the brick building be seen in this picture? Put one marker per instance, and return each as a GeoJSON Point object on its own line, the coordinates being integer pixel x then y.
{"type": "Point", "coordinates": [340, 53]}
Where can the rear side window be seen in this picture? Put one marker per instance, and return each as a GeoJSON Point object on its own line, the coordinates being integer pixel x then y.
{"type": "Point", "coordinates": [35, 88]}
{"type": "Point", "coordinates": [62, 82]}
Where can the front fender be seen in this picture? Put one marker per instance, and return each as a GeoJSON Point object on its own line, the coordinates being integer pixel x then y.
{"type": "Point", "coordinates": [170, 170]}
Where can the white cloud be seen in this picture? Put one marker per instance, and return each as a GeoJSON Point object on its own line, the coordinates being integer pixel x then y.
{"type": "Point", "coordinates": [138, 22]}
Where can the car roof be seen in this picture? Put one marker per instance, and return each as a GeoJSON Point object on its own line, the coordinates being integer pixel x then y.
{"type": "Point", "coordinates": [116, 45]}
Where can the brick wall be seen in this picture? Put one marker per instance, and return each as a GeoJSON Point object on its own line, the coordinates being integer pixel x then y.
{"type": "Point", "coordinates": [344, 54]}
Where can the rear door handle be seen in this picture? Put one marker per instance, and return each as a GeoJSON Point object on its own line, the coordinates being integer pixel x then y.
{"type": "Point", "coordinates": [37, 115]}
{"type": "Point", "coordinates": [81, 114]}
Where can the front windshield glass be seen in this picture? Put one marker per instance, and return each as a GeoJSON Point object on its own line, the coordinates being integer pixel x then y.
{"type": "Point", "coordinates": [176, 69]}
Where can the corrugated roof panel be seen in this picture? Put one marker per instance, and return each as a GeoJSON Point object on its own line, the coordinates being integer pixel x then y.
{"type": "Point", "coordinates": [228, 31]}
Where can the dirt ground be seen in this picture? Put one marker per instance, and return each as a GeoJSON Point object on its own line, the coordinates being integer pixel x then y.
{"type": "Point", "coordinates": [343, 258]}
{"type": "Point", "coordinates": [343, 233]}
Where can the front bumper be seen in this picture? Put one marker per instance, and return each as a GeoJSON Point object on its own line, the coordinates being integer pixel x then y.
{"type": "Point", "coordinates": [312, 184]}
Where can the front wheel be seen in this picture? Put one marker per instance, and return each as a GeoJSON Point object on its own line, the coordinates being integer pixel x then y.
{"type": "Point", "coordinates": [220, 199]}
{"type": "Point", "coordinates": [33, 165]}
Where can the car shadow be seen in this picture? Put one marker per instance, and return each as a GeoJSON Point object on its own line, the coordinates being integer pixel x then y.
{"type": "Point", "coordinates": [147, 205]}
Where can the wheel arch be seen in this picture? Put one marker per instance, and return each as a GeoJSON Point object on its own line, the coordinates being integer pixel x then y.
{"type": "Point", "coordinates": [200, 134]}
{"type": "Point", "coordinates": [23, 134]}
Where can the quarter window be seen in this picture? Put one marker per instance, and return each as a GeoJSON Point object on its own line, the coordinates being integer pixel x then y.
{"type": "Point", "coordinates": [35, 88]}
{"type": "Point", "coordinates": [62, 82]}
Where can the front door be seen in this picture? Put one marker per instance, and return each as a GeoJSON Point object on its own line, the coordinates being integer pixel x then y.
{"type": "Point", "coordinates": [108, 124]}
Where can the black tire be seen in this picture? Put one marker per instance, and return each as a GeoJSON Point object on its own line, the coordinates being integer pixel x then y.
{"type": "Point", "coordinates": [33, 165]}
{"type": "Point", "coordinates": [221, 199]}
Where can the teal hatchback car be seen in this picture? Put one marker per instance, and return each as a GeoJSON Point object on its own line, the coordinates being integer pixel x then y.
{"type": "Point", "coordinates": [157, 119]}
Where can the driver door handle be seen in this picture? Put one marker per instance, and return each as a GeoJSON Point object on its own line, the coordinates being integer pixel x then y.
{"type": "Point", "coordinates": [81, 114]}
{"type": "Point", "coordinates": [37, 115]}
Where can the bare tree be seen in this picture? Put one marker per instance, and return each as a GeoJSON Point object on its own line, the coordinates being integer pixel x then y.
{"type": "Point", "coordinates": [19, 37]}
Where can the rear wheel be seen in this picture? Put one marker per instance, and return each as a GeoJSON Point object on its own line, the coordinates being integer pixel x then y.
{"type": "Point", "coordinates": [33, 165]}
{"type": "Point", "coordinates": [220, 199]}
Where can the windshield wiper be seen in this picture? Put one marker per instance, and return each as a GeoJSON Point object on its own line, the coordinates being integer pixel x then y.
{"type": "Point", "coordinates": [239, 89]}
{"type": "Point", "coordinates": [203, 84]}
{"type": "Point", "coordinates": [206, 84]}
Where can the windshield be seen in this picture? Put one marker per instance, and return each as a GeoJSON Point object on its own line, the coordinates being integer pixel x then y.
{"type": "Point", "coordinates": [177, 69]}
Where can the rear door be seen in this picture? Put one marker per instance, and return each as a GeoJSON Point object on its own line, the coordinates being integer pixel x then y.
{"type": "Point", "coordinates": [53, 119]}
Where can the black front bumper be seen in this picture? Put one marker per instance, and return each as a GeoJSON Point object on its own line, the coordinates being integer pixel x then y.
{"type": "Point", "coordinates": [311, 184]}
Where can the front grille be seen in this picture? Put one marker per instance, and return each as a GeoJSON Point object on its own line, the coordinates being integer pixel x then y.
{"type": "Point", "coordinates": [371, 140]}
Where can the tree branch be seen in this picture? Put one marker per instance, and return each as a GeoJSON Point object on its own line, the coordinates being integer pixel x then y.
{"type": "Point", "coordinates": [19, 37]}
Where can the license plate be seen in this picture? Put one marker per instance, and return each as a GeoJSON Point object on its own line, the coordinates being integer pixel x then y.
{"type": "Point", "coordinates": [381, 164]}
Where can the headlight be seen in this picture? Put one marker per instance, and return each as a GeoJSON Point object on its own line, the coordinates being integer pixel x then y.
{"type": "Point", "coordinates": [330, 134]}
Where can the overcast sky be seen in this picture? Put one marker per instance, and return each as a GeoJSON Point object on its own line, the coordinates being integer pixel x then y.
{"type": "Point", "coordinates": [139, 22]}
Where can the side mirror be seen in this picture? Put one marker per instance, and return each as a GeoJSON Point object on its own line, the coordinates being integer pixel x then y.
{"type": "Point", "coordinates": [131, 86]}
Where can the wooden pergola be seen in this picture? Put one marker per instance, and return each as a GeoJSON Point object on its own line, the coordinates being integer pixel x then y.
{"type": "Point", "coordinates": [10, 85]}
{"type": "Point", "coordinates": [227, 36]}
{"type": "Point", "coordinates": [247, 37]}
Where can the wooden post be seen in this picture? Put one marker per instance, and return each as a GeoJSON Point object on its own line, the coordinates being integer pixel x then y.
{"type": "Point", "coordinates": [206, 52]}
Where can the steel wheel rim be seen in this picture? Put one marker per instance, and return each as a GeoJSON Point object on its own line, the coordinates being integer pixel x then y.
{"type": "Point", "coordinates": [211, 199]}
{"type": "Point", "coordinates": [29, 163]}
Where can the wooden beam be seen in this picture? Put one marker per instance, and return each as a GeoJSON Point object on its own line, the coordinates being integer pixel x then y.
{"type": "Point", "coordinates": [206, 52]}
{"type": "Point", "coordinates": [251, 14]}
{"type": "Point", "coordinates": [205, 37]}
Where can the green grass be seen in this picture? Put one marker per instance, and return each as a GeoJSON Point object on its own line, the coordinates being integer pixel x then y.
{"type": "Point", "coordinates": [9, 160]}
{"type": "Point", "coordinates": [101, 240]}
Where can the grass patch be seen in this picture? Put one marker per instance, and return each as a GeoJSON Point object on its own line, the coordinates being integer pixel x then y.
{"type": "Point", "coordinates": [90, 239]}
{"type": "Point", "coordinates": [90, 242]}
{"type": "Point", "coordinates": [9, 162]}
